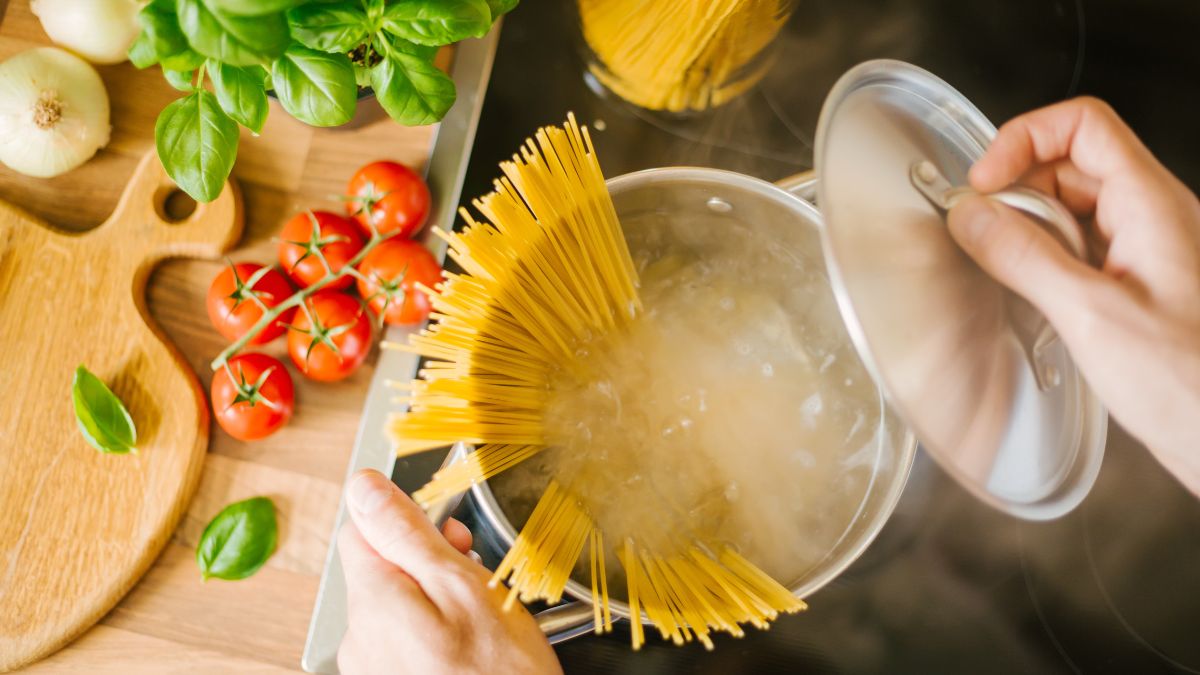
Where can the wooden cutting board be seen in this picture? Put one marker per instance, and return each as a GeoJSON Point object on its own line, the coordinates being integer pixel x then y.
{"type": "Point", "coordinates": [78, 527]}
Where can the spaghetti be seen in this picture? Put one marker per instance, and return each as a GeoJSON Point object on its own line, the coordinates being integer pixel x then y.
{"type": "Point", "coordinates": [545, 275]}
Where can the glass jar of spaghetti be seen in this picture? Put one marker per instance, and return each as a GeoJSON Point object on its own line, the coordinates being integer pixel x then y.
{"type": "Point", "coordinates": [680, 55]}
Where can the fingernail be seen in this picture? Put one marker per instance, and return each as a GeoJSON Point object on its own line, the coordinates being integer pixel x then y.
{"type": "Point", "coordinates": [971, 217]}
{"type": "Point", "coordinates": [368, 491]}
{"type": "Point", "coordinates": [475, 556]}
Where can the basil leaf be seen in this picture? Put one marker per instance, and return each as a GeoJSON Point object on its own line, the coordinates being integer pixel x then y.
{"type": "Point", "coordinates": [314, 87]}
{"type": "Point", "coordinates": [197, 143]}
{"type": "Point", "coordinates": [180, 79]}
{"type": "Point", "coordinates": [232, 39]}
{"type": "Point", "coordinates": [374, 10]}
{"type": "Point", "coordinates": [141, 52]}
{"type": "Point", "coordinates": [237, 542]}
{"type": "Point", "coordinates": [329, 28]}
{"type": "Point", "coordinates": [438, 22]}
{"type": "Point", "coordinates": [411, 89]}
{"type": "Point", "coordinates": [242, 93]}
{"type": "Point", "coordinates": [500, 7]}
{"type": "Point", "coordinates": [252, 7]}
{"type": "Point", "coordinates": [423, 52]}
{"type": "Point", "coordinates": [161, 40]}
{"type": "Point", "coordinates": [102, 418]}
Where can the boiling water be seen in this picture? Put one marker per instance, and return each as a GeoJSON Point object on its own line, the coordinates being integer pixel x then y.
{"type": "Point", "coordinates": [734, 410]}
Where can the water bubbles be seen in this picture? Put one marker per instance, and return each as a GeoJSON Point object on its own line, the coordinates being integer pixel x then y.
{"type": "Point", "coordinates": [767, 369]}
{"type": "Point", "coordinates": [726, 303]}
{"type": "Point", "coordinates": [829, 360]}
{"type": "Point", "coordinates": [848, 381]}
{"type": "Point", "coordinates": [811, 408]}
{"type": "Point", "coordinates": [685, 423]}
{"type": "Point", "coordinates": [731, 491]}
{"type": "Point", "coordinates": [742, 347]}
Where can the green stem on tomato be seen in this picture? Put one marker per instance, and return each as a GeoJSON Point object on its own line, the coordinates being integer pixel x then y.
{"type": "Point", "coordinates": [297, 299]}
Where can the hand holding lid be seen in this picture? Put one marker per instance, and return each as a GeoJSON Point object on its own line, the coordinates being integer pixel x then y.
{"type": "Point", "coordinates": [973, 369]}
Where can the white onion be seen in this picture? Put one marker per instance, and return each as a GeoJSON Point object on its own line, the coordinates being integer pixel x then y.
{"type": "Point", "coordinates": [98, 30]}
{"type": "Point", "coordinates": [53, 112]}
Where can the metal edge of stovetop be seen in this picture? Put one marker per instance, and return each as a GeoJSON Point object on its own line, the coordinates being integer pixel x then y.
{"type": "Point", "coordinates": [445, 174]}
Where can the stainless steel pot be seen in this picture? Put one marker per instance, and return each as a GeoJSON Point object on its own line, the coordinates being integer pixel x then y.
{"type": "Point", "coordinates": [688, 189]}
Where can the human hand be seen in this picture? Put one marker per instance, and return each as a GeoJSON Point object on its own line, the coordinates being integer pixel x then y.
{"type": "Point", "coordinates": [418, 605]}
{"type": "Point", "coordinates": [1133, 324]}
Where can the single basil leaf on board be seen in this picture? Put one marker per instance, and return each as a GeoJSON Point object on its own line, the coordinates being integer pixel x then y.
{"type": "Point", "coordinates": [237, 542]}
{"type": "Point", "coordinates": [252, 7]}
{"type": "Point", "coordinates": [161, 40]}
{"type": "Point", "coordinates": [242, 93]}
{"type": "Point", "coordinates": [437, 22]}
{"type": "Point", "coordinates": [411, 89]}
{"type": "Point", "coordinates": [180, 79]}
{"type": "Point", "coordinates": [197, 143]}
{"type": "Point", "coordinates": [499, 7]}
{"type": "Point", "coordinates": [329, 28]}
{"type": "Point", "coordinates": [236, 40]}
{"type": "Point", "coordinates": [314, 87]}
{"type": "Point", "coordinates": [102, 418]}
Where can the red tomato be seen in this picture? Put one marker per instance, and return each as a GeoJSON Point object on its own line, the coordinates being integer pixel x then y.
{"type": "Point", "coordinates": [390, 194]}
{"type": "Point", "coordinates": [394, 267]}
{"type": "Point", "coordinates": [306, 233]}
{"type": "Point", "coordinates": [252, 396]}
{"type": "Point", "coordinates": [331, 340]}
{"type": "Point", "coordinates": [237, 296]}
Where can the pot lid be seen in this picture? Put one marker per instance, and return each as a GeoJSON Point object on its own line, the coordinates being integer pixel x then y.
{"type": "Point", "coordinates": [974, 370]}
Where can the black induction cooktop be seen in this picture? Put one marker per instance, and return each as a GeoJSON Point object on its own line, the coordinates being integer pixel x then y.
{"type": "Point", "coordinates": [950, 585]}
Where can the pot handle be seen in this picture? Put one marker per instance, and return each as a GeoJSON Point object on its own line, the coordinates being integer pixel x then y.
{"type": "Point", "coordinates": [802, 185]}
{"type": "Point", "coordinates": [1034, 332]}
{"type": "Point", "coordinates": [565, 621]}
{"type": "Point", "coordinates": [558, 623]}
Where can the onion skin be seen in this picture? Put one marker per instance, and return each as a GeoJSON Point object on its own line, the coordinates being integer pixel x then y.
{"type": "Point", "coordinates": [53, 112]}
{"type": "Point", "coordinates": [100, 31]}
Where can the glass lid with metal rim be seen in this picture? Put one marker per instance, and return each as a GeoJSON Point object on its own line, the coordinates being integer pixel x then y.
{"type": "Point", "coordinates": [976, 372]}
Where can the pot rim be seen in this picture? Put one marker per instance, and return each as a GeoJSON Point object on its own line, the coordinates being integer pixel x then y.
{"type": "Point", "coordinates": [906, 449]}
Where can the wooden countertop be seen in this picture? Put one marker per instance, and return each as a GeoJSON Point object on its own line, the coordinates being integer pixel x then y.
{"type": "Point", "coordinates": [171, 621]}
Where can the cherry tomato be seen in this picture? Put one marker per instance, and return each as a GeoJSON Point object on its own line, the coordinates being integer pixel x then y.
{"type": "Point", "coordinates": [252, 396]}
{"type": "Point", "coordinates": [306, 233]}
{"type": "Point", "coordinates": [394, 267]}
{"type": "Point", "coordinates": [237, 296]}
{"type": "Point", "coordinates": [331, 340]}
{"type": "Point", "coordinates": [390, 194]}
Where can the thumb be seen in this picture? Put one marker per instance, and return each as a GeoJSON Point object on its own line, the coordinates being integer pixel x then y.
{"type": "Point", "coordinates": [397, 528]}
{"type": "Point", "coordinates": [1018, 253]}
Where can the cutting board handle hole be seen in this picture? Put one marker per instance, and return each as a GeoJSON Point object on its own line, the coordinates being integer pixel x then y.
{"type": "Point", "coordinates": [173, 205]}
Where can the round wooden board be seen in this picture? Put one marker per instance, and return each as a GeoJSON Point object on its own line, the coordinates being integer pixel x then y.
{"type": "Point", "coordinates": [80, 527]}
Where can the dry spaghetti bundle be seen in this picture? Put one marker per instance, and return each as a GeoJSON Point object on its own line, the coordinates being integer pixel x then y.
{"type": "Point", "coordinates": [676, 56]}
{"type": "Point", "coordinates": [545, 276]}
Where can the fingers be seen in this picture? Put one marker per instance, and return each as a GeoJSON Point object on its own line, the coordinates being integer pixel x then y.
{"type": "Point", "coordinates": [1063, 180]}
{"type": "Point", "coordinates": [397, 528]}
{"type": "Point", "coordinates": [1085, 130]}
{"type": "Point", "coordinates": [370, 579]}
{"type": "Point", "coordinates": [1021, 255]}
{"type": "Point", "coordinates": [458, 535]}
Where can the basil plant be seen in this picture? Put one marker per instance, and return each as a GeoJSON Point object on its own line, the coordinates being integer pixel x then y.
{"type": "Point", "coordinates": [315, 55]}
